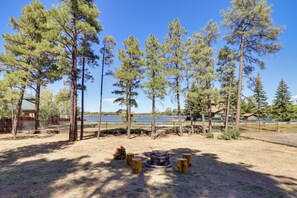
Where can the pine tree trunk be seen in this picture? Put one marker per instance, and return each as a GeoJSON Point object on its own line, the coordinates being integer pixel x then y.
{"type": "Point", "coordinates": [101, 94]}
{"type": "Point", "coordinates": [238, 115]}
{"type": "Point", "coordinates": [259, 117]}
{"type": "Point", "coordinates": [192, 121]}
{"type": "Point", "coordinates": [73, 95]}
{"type": "Point", "coordinates": [203, 121]}
{"type": "Point", "coordinates": [17, 113]}
{"type": "Point", "coordinates": [127, 107]}
{"type": "Point", "coordinates": [37, 102]}
{"type": "Point", "coordinates": [82, 100]}
{"type": "Point", "coordinates": [178, 108]}
{"type": "Point", "coordinates": [129, 118]}
{"type": "Point", "coordinates": [227, 112]}
{"type": "Point", "coordinates": [209, 116]}
{"type": "Point", "coordinates": [153, 117]}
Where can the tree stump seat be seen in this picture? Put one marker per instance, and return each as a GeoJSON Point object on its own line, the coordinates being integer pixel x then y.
{"type": "Point", "coordinates": [136, 165]}
{"type": "Point", "coordinates": [130, 156]}
{"type": "Point", "coordinates": [188, 157]}
{"type": "Point", "coordinates": [182, 165]}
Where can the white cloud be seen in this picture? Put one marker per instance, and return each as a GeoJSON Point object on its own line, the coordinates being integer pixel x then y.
{"type": "Point", "coordinates": [109, 100]}
{"type": "Point", "coordinates": [294, 97]}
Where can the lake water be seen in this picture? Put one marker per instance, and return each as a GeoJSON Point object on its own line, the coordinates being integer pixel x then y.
{"type": "Point", "coordinates": [138, 119]}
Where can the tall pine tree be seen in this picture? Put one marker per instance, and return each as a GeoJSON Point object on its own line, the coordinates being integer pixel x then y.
{"type": "Point", "coordinates": [260, 98]}
{"type": "Point", "coordinates": [75, 20]}
{"type": "Point", "coordinates": [282, 104]}
{"type": "Point", "coordinates": [226, 75]}
{"type": "Point", "coordinates": [202, 70]}
{"type": "Point", "coordinates": [107, 59]}
{"type": "Point", "coordinates": [210, 34]}
{"type": "Point", "coordinates": [155, 87]}
{"type": "Point", "coordinates": [175, 48]}
{"type": "Point", "coordinates": [128, 77]}
{"type": "Point", "coordinates": [253, 31]}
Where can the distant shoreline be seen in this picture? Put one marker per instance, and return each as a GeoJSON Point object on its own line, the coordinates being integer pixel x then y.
{"type": "Point", "coordinates": [115, 114]}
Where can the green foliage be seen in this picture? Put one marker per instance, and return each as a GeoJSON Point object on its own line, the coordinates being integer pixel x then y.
{"type": "Point", "coordinates": [231, 134]}
{"type": "Point", "coordinates": [251, 19]}
{"type": "Point", "coordinates": [107, 50]}
{"type": "Point", "coordinates": [123, 116]}
{"type": "Point", "coordinates": [62, 101]}
{"type": "Point", "coordinates": [191, 102]}
{"type": "Point", "coordinates": [248, 105]}
{"type": "Point", "coordinates": [260, 97]}
{"type": "Point", "coordinates": [129, 74]}
{"type": "Point", "coordinates": [209, 135]}
{"type": "Point", "coordinates": [226, 72]}
{"type": "Point", "coordinates": [155, 87]}
{"type": "Point", "coordinates": [202, 67]}
{"type": "Point", "coordinates": [283, 108]}
{"type": "Point", "coordinates": [7, 97]}
{"type": "Point", "coordinates": [48, 108]}
{"type": "Point", "coordinates": [29, 51]}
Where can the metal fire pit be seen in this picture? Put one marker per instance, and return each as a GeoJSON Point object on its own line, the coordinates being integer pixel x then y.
{"type": "Point", "coordinates": [159, 160]}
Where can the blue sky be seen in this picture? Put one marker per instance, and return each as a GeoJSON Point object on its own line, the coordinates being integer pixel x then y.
{"type": "Point", "coordinates": [140, 18]}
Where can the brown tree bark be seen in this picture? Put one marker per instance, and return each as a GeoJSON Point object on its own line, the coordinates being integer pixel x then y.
{"type": "Point", "coordinates": [153, 117]}
{"type": "Point", "coordinates": [129, 117]}
{"type": "Point", "coordinates": [37, 102]}
{"type": "Point", "coordinates": [227, 112]}
{"type": "Point", "coordinates": [101, 94]}
{"type": "Point", "coordinates": [209, 116]}
{"type": "Point", "coordinates": [203, 121]}
{"type": "Point", "coordinates": [178, 108]}
{"type": "Point", "coordinates": [73, 95]}
{"type": "Point", "coordinates": [82, 100]}
{"type": "Point", "coordinates": [238, 115]}
{"type": "Point", "coordinates": [17, 113]}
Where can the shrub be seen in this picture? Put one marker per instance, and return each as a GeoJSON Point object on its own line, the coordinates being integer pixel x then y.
{"type": "Point", "coordinates": [209, 135]}
{"type": "Point", "coordinates": [120, 153]}
{"type": "Point", "coordinates": [231, 134]}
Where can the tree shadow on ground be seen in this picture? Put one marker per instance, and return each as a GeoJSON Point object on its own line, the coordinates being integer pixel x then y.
{"type": "Point", "coordinates": [208, 177]}
{"type": "Point", "coordinates": [80, 177]}
{"type": "Point", "coordinates": [11, 156]}
{"type": "Point", "coordinates": [25, 136]}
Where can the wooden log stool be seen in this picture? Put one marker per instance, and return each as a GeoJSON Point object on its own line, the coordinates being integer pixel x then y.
{"type": "Point", "coordinates": [189, 158]}
{"type": "Point", "coordinates": [129, 157]}
{"type": "Point", "coordinates": [136, 165]}
{"type": "Point", "coordinates": [182, 165]}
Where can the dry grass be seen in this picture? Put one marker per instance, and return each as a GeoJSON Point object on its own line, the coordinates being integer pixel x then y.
{"type": "Point", "coordinates": [49, 166]}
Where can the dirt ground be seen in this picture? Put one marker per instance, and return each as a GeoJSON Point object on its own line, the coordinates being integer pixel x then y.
{"type": "Point", "coordinates": [49, 166]}
{"type": "Point", "coordinates": [284, 138]}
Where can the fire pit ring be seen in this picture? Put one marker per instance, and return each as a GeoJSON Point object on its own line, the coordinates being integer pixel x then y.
{"type": "Point", "coordinates": [159, 160]}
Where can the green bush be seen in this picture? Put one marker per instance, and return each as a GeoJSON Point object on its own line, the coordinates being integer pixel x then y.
{"type": "Point", "coordinates": [231, 134]}
{"type": "Point", "coordinates": [209, 135]}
